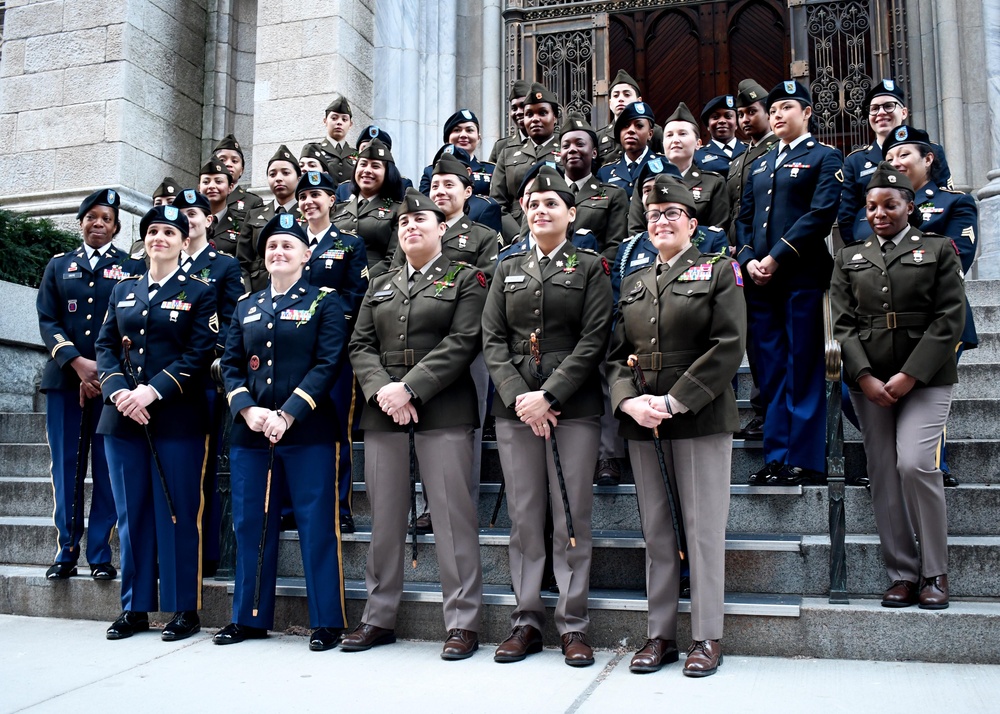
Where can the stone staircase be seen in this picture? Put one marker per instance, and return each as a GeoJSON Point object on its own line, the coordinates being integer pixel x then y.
{"type": "Point", "coordinates": [776, 566]}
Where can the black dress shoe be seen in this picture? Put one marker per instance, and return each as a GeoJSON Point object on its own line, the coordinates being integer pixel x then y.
{"type": "Point", "coordinates": [324, 638]}
{"type": "Point", "coordinates": [232, 634]}
{"type": "Point", "coordinates": [347, 523]}
{"type": "Point", "coordinates": [103, 571]}
{"type": "Point", "coordinates": [796, 476]}
{"type": "Point", "coordinates": [209, 568]}
{"type": "Point", "coordinates": [949, 480]}
{"type": "Point", "coordinates": [183, 625]}
{"type": "Point", "coordinates": [288, 523]}
{"type": "Point", "coordinates": [424, 525]}
{"type": "Point", "coordinates": [127, 624]}
{"type": "Point", "coordinates": [753, 431]}
{"type": "Point", "coordinates": [61, 571]}
{"type": "Point", "coordinates": [761, 476]}
{"type": "Point", "coordinates": [858, 481]}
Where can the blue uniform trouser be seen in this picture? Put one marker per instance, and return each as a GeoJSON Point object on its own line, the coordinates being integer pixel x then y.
{"type": "Point", "coordinates": [147, 535]}
{"type": "Point", "coordinates": [787, 328]}
{"type": "Point", "coordinates": [309, 472]}
{"type": "Point", "coordinates": [211, 518]}
{"type": "Point", "coordinates": [62, 425]}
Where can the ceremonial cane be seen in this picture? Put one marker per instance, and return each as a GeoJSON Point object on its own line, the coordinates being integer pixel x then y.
{"type": "Point", "coordinates": [263, 530]}
{"type": "Point", "coordinates": [679, 535]}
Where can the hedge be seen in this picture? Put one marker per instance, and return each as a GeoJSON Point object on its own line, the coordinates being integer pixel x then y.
{"type": "Point", "coordinates": [27, 245]}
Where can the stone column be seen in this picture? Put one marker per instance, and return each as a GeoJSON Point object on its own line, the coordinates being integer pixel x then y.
{"type": "Point", "coordinates": [98, 93]}
{"type": "Point", "coordinates": [306, 52]}
{"type": "Point", "coordinates": [988, 264]}
{"type": "Point", "coordinates": [494, 100]}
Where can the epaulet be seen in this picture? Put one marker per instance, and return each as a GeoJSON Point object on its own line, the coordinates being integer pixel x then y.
{"type": "Point", "coordinates": [327, 290]}
{"type": "Point", "coordinates": [200, 280]}
{"type": "Point", "coordinates": [866, 147]}
{"type": "Point", "coordinates": [829, 146]}
{"type": "Point", "coordinates": [58, 255]}
{"type": "Point", "coordinates": [394, 270]}
{"type": "Point", "coordinates": [465, 264]}
{"type": "Point", "coordinates": [244, 296]}
{"type": "Point", "coordinates": [951, 190]}
{"type": "Point", "coordinates": [709, 172]}
{"type": "Point", "coordinates": [588, 251]}
{"type": "Point", "coordinates": [510, 253]}
{"type": "Point", "coordinates": [131, 277]}
{"type": "Point", "coordinates": [488, 163]}
{"type": "Point", "coordinates": [344, 231]}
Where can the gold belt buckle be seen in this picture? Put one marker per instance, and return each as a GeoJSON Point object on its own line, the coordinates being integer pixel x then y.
{"type": "Point", "coordinates": [890, 320]}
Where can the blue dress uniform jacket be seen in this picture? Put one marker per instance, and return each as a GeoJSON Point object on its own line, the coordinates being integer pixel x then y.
{"type": "Point", "coordinates": [222, 272]}
{"type": "Point", "coordinates": [173, 338]}
{"type": "Point", "coordinates": [954, 215]}
{"type": "Point", "coordinates": [72, 300]}
{"type": "Point", "coordinates": [638, 253]}
{"type": "Point", "coordinates": [287, 358]}
{"type": "Point", "coordinates": [482, 175]}
{"type": "Point", "coordinates": [71, 303]}
{"type": "Point", "coordinates": [340, 261]}
{"type": "Point", "coordinates": [792, 229]}
{"type": "Point", "coordinates": [858, 169]}
{"type": "Point", "coordinates": [376, 224]}
{"type": "Point", "coordinates": [711, 157]}
{"type": "Point", "coordinates": [617, 173]}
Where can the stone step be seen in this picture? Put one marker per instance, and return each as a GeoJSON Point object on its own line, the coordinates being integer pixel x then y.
{"type": "Point", "coordinates": [983, 292]}
{"type": "Point", "coordinates": [987, 317]}
{"type": "Point", "coordinates": [778, 626]}
{"type": "Point", "coordinates": [988, 351]}
{"type": "Point", "coordinates": [969, 418]}
{"type": "Point", "coordinates": [754, 563]}
{"type": "Point", "coordinates": [22, 428]}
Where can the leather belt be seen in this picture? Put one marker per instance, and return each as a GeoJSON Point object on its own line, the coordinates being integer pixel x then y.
{"type": "Point", "coordinates": [894, 320]}
{"type": "Point", "coordinates": [406, 358]}
{"type": "Point", "coordinates": [655, 361]}
{"type": "Point", "coordinates": [551, 344]}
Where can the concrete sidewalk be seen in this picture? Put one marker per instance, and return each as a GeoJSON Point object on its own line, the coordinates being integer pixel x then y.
{"type": "Point", "coordinates": [49, 665]}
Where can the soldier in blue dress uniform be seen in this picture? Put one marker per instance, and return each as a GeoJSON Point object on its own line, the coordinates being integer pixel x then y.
{"type": "Point", "coordinates": [285, 347]}
{"type": "Point", "coordinates": [72, 299]}
{"type": "Point", "coordinates": [786, 213]}
{"type": "Point", "coordinates": [461, 130]}
{"type": "Point", "coordinates": [885, 106]}
{"type": "Point", "coordinates": [719, 117]}
{"type": "Point", "coordinates": [153, 355]}
{"type": "Point", "coordinates": [940, 210]}
{"type": "Point", "coordinates": [222, 272]}
{"type": "Point", "coordinates": [338, 261]}
{"type": "Point", "coordinates": [634, 129]}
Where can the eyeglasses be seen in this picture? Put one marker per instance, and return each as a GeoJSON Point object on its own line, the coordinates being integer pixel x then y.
{"type": "Point", "coordinates": [888, 108]}
{"type": "Point", "coordinates": [671, 214]}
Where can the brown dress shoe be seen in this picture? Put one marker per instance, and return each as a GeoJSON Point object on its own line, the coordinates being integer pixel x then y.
{"type": "Point", "coordinates": [903, 593]}
{"type": "Point", "coordinates": [653, 655]}
{"type": "Point", "coordinates": [704, 657]}
{"type": "Point", "coordinates": [934, 593]}
{"type": "Point", "coordinates": [460, 644]}
{"type": "Point", "coordinates": [365, 637]}
{"type": "Point", "coordinates": [578, 653]}
{"type": "Point", "coordinates": [523, 641]}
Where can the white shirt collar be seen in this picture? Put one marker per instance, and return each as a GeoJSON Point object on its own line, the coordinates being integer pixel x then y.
{"type": "Point", "coordinates": [794, 143]}
{"type": "Point", "coordinates": [164, 281]}
{"type": "Point", "coordinates": [193, 256]}
{"type": "Point", "coordinates": [731, 144]}
{"type": "Point", "coordinates": [637, 161]}
{"type": "Point", "coordinates": [100, 251]}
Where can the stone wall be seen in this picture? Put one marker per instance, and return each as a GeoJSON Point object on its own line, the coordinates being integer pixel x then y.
{"type": "Point", "coordinates": [21, 350]}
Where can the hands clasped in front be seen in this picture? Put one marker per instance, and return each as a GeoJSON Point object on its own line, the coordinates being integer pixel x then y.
{"type": "Point", "coordinates": [395, 401]}
{"type": "Point", "coordinates": [647, 410]}
{"type": "Point", "coordinates": [534, 409]}
{"type": "Point", "coordinates": [273, 423]}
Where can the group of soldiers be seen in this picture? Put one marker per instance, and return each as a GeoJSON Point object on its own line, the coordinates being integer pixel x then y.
{"type": "Point", "coordinates": [602, 284]}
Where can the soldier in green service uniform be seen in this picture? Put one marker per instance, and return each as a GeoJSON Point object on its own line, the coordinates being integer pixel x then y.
{"type": "Point", "coordinates": [229, 152]}
{"type": "Point", "coordinates": [515, 101]}
{"type": "Point", "coordinates": [340, 155]}
{"type": "Point", "coordinates": [624, 91]}
{"type": "Point", "coordinates": [216, 183]}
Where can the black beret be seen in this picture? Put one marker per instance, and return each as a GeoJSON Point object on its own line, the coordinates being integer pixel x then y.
{"type": "Point", "coordinates": [624, 77]}
{"type": "Point", "coordinates": [789, 89]}
{"type": "Point", "coordinates": [376, 150]}
{"type": "Point", "coordinates": [316, 179]}
{"type": "Point", "coordinates": [888, 176]}
{"type": "Point", "coordinates": [682, 113]}
{"type": "Point", "coordinates": [749, 92]}
{"type": "Point", "coordinates": [888, 87]}
{"type": "Point", "coordinates": [213, 167]}
{"type": "Point", "coordinates": [228, 143]}
{"type": "Point", "coordinates": [169, 215]}
{"type": "Point", "coordinates": [669, 189]}
{"type": "Point", "coordinates": [460, 117]}
{"type": "Point", "coordinates": [340, 105]}
{"type": "Point", "coordinates": [538, 94]}
{"type": "Point", "coordinates": [654, 167]}
{"type": "Point", "coordinates": [905, 135]}
{"type": "Point", "coordinates": [414, 201]}
{"type": "Point", "coordinates": [190, 198]}
{"type": "Point", "coordinates": [518, 90]}
{"type": "Point", "coordinates": [101, 197]}
{"type": "Point", "coordinates": [372, 132]}
{"type": "Point", "coordinates": [723, 101]}
{"type": "Point", "coordinates": [635, 110]}
{"type": "Point", "coordinates": [167, 187]}
{"type": "Point", "coordinates": [578, 122]}
{"type": "Point", "coordinates": [544, 176]}
{"type": "Point", "coordinates": [283, 154]}
{"type": "Point", "coordinates": [448, 164]}
{"type": "Point", "coordinates": [281, 224]}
